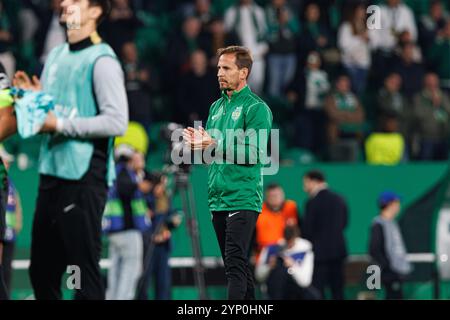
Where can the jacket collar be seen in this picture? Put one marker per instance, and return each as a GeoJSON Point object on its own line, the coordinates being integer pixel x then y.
{"type": "Point", "coordinates": [243, 92]}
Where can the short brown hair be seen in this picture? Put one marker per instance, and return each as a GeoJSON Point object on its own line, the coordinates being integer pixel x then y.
{"type": "Point", "coordinates": [242, 54]}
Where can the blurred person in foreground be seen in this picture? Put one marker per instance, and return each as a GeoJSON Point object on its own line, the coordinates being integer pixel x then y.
{"type": "Point", "coordinates": [84, 79]}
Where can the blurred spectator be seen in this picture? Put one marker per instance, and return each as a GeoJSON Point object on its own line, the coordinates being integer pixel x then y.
{"type": "Point", "coordinates": [411, 72]}
{"type": "Point", "coordinates": [197, 90]}
{"type": "Point", "coordinates": [432, 24]}
{"type": "Point", "coordinates": [386, 245]}
{"type": "Point", "coordinates": [276, 214]}
{"type": "Point", "coordinates": [120, 26]}
{"type": "Point", "coordinates": [432, 112]}
{"type": "Point", "coordinates": [315, 35]}
{"type": "Point", "coordinates": [50, 33]}
{"type": "Point", "coordinates": [203, 12]}
{"type": "Point", "coordinates": [248, 20]}
{"type": "Point", "coordinates": [287, 268]}
{"type": "Point", "coordinates": [392, 104]}
{"type": "Point", "coordinates": [396, 17]}
{"type": "Point", "coordinates": [354, 43]}
{"type": "Point", "coordinates": [219, 38]}
{"type": "Point", "coordinates": [405, 38]}
{"type": "Point", "coordinates": [13, 223]}
{"type": "Point", "coordinates": [138, 83]}
{"type": "Point", "coordinates": [324, 222]}
{"type": "Point", "coordinates": [386, 147]}
{"type": "Point", "coordinates": [308, 93]}
{"type": "Point", "coordinates": [331, 11]}
{"type": "Point", "coordinates": [283, 28]}
{"type": "Point", "coordinates": [125, 219]}
{"type": "Point", "coordinates": [180, 48]}
{"type": "Point", "coordinates": [440, 56]}
{"type": "Point", "coordinates": [6, 41]}
{"type": "Point", "coordinates": [157, 241]}
{"type": "Point", "coordinates": [345, 121]}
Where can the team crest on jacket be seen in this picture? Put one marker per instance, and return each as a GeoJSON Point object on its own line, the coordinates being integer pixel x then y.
{"type": "Point", "coordinates": [236, 113]}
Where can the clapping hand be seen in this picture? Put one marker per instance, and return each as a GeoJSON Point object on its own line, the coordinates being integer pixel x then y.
{"type": "Point", "coordinates": [197, 139]}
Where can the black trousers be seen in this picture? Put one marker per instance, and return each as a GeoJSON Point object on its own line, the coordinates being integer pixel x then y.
{"type": "Point", "coordinates": [67, 232]}
{"type": "Point", "coordinates": [7, 257]}
{"type": "Point", "coordinates": [329, 274]}
{"type": "Point", "coordinates": [234, 231]}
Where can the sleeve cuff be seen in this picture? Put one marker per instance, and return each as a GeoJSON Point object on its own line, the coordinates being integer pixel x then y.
{"type": "Point", "coordinates": [59, 125]}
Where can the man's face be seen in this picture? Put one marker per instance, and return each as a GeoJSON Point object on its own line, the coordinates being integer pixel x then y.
{"type": "Point", "coordinates": [308, 185]}
{"type": "Point", "coordinates": [431, 81]}
{"type": "Point", "coordinates": [79, 12]}
{"type": "Point", "coordinates": [192, 27]}
{"type": "Point", "coordinates": [129, 52]}
{"type": "Point", "coordinates": [393, 209]}
{"type": "Point", "coordinates": [199, 62]}
{"type": "Point", "coordinates": [228, 73]}
{"type": "Point", "coordinates": [436, 11]}
{"type": "Point", "coordinates": [343, 85]}
{"type": "Point", "coordinates": [447, 30]}
{"type": "Point", "coordinates": [138, 161]}
{"type": "Point", "coordinates": [275, 198]}
{"type": "Point", "coordinates": [312, 13]}
{"type": "Point", "coordinates": [393, 83]}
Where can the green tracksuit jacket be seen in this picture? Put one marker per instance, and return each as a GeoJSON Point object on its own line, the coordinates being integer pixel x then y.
{"type": "Point", "coordinates": [241, 126]}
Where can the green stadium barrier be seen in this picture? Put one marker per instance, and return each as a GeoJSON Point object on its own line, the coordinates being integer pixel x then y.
{"type": "Point", "coordinates": [359, 184]}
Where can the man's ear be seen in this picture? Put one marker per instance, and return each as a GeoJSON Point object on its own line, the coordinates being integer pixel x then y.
{"type": "Point", "coordinates": [95, 12]}
{"type": "Point", "coordinates": [243, 74]}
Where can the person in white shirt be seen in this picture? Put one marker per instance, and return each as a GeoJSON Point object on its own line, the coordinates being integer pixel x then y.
{"type": "Point", "coordinates": [396, 17]}
{"type": "Point", "coordinates": [354, 44]}
{"type": "Point", "coordinates": [248, 20]}
{"type": "Point", "coordinates": [287, 268]}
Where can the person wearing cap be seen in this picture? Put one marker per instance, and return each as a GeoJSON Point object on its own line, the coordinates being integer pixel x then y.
{"type": "Point", "coordinates": [386, 246]}
{"type": "Point", "coordinates": [76, 165]}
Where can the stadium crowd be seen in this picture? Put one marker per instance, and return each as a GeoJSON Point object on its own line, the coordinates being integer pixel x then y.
{"type": "Point", "coordinates": [339, 91]}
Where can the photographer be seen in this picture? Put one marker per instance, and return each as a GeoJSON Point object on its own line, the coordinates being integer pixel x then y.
{"type": "Point", "coordinates": [286, 268]}
{"type": "Point", "coordinates": [157, 240]}
{"type": "Point", "coordinates": [125, 218]}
